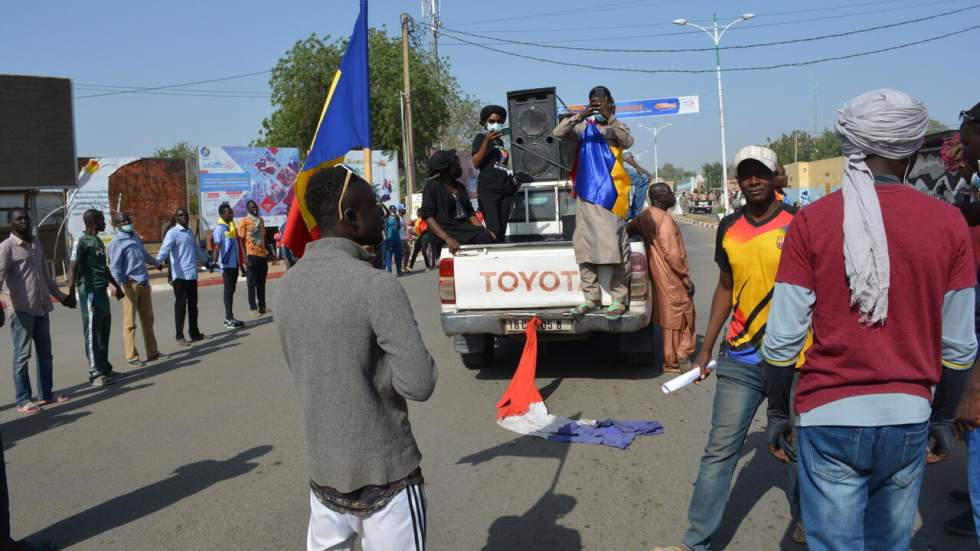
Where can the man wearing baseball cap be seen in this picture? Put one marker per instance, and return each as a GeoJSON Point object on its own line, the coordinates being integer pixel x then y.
{"type": "Point", "coordinates": [747, 251]}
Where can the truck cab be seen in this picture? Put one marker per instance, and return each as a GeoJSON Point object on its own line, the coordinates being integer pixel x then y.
{"type": "Point", "coordinates": [491, 291]}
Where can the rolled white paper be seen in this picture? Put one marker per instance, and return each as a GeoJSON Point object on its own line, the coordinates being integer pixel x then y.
{"type": "Point", "coordinates": [682, 381]}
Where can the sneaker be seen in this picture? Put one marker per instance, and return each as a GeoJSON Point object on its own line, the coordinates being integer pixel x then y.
{"type": "Point", "coordinates": [136, 363]}
{"type": "Point", "coordinates": [234, 324]}
{"type": "Point", "coordinates": [799, 534]}
{"type": "Point", "coordinates": [263, 311]}
{"type": "Point", "coordinates": [199, 337]}
{"type": "Point", "coordinates": [158, 356]}
{"type": "Point", "coordinates": [962, 525]}
{"type": "Point", "coordinates": [183, 342]}
{"type": "Point", "coordinates": [101, 380]}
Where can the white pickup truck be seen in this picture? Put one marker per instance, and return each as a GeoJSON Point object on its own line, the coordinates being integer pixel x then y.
{"type": "Point", "coordinates": [490, 291]}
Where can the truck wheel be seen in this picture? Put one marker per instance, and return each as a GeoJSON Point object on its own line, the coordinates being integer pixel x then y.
{"type": "Point", "coordinates": [476, 350]}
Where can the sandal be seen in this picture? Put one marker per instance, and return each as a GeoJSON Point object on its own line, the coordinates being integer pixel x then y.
{"type": "Point", "coordinates": [56, 399]}
{"type": "Point", "coordinates": [28, 408]}
{"type": "Point", "coordinates": [584, 308]}
{"type": "Point", "coordinates": [615, 311]}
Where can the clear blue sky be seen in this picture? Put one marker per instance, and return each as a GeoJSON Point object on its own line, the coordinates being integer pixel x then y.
{"type": "Point", "coordinates": [151, 44]}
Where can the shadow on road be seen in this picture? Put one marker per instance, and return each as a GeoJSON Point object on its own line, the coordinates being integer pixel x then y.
{"type": "Point", "coordinates": [536, 528]}
{"type": "Point", "coordinates": [755, 478]}
{"type": "Point", "coordinates": [84, 395]}
{"type": "Point", "coordinates": [184, 482]}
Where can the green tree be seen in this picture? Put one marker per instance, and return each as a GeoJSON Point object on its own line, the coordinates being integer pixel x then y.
{"type": "Point", "coordinates": [186, 152]}
{"type": "Point", "coordinates": [671, 173]}
{"type": "Point", "coordinates": [804, 147]}
{"type": "Point", "coordinates": [302, 77]}
{"type": "Point", "coordinates": [712, 175]}
{"type": "Point", "coordinates": [936, 126]}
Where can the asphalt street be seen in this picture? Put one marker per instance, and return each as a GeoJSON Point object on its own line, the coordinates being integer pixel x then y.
{"type": "Point", "coordinates": [205, 450]}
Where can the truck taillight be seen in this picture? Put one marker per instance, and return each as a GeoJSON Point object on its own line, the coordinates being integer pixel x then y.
{"type": "Point", "coordinates": [447, 281]}
{"type": "Point", "coordinates": [638, 277]}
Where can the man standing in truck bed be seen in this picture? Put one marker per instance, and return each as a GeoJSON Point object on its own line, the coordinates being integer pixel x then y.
{"type": "Point", "coordinates": [602, 191]}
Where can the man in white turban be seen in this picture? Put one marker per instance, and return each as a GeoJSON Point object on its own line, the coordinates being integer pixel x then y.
{"type": "Point", "coordinates": [884, 277]}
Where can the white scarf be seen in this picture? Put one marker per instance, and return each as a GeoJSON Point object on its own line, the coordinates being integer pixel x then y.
{"type": "Point", "coordinates": [889, 124]}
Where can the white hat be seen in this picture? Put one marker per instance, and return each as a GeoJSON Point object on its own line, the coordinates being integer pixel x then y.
{"type": "Point", "coordinates": [764, 155]}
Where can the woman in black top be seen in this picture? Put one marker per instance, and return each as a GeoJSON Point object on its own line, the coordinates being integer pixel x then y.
{"type": "Point", "coordinates": [446, 207]}
{"type": "Point", "coordinates": [495, 187]}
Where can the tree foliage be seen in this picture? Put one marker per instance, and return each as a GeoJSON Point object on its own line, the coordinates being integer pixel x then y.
{"type": "Point", "coordinates": [186, 152]}
{"type": "Point", "coordinates": [671, 173]}
{"type": "Point", "coordinates": [712, 175]}
{"type": "Point", "coordinates": [302, 77]}
{"type": "Point", "coordinates": [802, 146]}
{"type": "Point", "coordinates": [936, 126]}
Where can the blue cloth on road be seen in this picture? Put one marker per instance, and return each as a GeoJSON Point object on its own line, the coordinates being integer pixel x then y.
{"type": "Point", "coordinates": [612, 433]}
{"type": "Point", "coordinates": [128, 259]}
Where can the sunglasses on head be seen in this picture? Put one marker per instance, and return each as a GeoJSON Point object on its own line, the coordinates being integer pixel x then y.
{"type": "Point", "coordinates": [382, 209]}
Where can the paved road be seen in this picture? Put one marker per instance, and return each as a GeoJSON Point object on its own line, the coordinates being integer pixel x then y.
{"type": "Point", "coordinates": [204, 451]}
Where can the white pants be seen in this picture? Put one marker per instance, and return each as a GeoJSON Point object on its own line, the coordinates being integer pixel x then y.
{"type": "Point", "coordinates": [399, 526]}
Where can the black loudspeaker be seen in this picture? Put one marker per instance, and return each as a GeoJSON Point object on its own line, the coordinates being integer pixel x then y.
{"type": "Point", "coordinates": [533, 116]}
{"type": "Point", "coordinates": [37, 133]}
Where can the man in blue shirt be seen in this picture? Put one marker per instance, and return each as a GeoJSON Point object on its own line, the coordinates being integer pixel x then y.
{"type": "Point", "coordinates": [227, 257]}
{"type": "Point", "coordinates": [181, 249]}
{"type": "Point", "coordinates": [127, 262]}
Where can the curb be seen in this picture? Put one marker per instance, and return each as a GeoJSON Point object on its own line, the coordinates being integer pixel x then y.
{"type": "Point", "coordinates": [709, 225]}
{"type": "Point", "coordinates": [210, 282]}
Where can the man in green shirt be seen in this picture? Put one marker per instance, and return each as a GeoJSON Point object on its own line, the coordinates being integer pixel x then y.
{"type": "Point", "coordinates": [89, 271]}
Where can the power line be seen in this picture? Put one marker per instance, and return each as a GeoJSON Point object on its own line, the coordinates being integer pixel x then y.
{"type": "Point", "coordinates": [915, 5]}
{"type": "Point", "coordinates": [197, 93]}
{"type": "Point", "coordinates": [166, 86]}
{"type": "Point", "coordinates": [735, 47]}
{"type": "Point", "coordinates": [732, 69]}
{"type": "Point", "coordinates": [561, 13]}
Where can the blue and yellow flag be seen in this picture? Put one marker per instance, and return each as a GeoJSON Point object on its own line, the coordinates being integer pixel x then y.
{"type": "Point", "coordinates": [599, 175]}
{"type": "Point", "coordinates": [345, 124]}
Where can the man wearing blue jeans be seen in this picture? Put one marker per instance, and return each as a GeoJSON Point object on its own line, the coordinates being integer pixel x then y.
{"type": "Point", "coordinates": [28, 287]}
{"type": "Point", "coordinates": [747, 252]}
{"type": "Point", "coordinates": [863, 394]}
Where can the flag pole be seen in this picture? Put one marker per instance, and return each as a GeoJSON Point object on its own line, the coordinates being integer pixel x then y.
{"type": "Point", "coordinates": [368, 166]}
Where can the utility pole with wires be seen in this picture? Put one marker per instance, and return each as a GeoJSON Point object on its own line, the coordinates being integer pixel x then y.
{"type": "Point", "coordinates": [430, 14]}
{"type": "Point", "coordinates": [407, 117]}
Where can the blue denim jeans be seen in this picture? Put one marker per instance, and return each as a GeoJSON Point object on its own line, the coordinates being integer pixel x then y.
{"type": "Point", "coordinates": [393, 256]}
{"type": "Point", "coordinates": [25, 329]}
{"type": "Point", "coordinates": [640, 185]}
{"type": "Point", "coordinates": [739, 392]}
{"type": "Point", "coordinates": [973, 474]}
{"type": "Point", "coordinates": [859, 486]}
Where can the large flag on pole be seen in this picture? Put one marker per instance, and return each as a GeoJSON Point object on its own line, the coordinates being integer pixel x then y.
{"type": "Point", "coordinates": [345, 124]}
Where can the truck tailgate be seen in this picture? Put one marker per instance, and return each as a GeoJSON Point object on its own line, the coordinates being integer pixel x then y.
{"type": "Point", "coordinates": [526, 276]}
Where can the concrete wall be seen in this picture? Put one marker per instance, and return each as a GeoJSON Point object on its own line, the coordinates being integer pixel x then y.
{"type": "Point", "coordinates": [820, 177]}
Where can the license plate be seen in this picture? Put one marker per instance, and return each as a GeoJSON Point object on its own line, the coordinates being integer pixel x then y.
{"type": "Point", "coordinates": [547, 326]}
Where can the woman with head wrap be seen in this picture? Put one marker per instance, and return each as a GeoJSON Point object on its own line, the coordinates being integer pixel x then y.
{"type": "Point", "coordinates": [884, 276]}
{"type": "Point", "coordinates": [495, 186]}
{"type": "Point", "coordinates": [446, 206]}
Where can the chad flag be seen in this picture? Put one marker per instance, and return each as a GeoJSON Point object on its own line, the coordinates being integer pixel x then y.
{"type": "Point", "coordinates": [599, 175]}
{"type": "Point", "coordinates": [345, 124]}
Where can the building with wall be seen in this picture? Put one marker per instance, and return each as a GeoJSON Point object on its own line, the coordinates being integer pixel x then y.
{"type": "Point", "coordinates": [819, 178]}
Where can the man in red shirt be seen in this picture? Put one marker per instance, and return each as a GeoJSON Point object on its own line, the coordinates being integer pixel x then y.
{"type": "Point", "coordinates": [864, 390]}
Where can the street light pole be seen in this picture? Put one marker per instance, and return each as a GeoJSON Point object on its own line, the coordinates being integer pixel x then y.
{"type": "Point", "coordinates": [715, 35]}
{"type": "Point", "coordinates": [656, 158]}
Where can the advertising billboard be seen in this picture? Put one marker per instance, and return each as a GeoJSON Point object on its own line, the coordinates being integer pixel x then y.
{"type": "Point", "coordinates": [384, 172]}
{"type": "Point", "coordinates": [235, 175]}
{"type": "Point", "coordinates": [93, 193]}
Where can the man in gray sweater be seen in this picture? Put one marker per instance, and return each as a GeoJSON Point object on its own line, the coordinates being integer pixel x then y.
{"type": "Point", "coordinates": [350, 340]}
